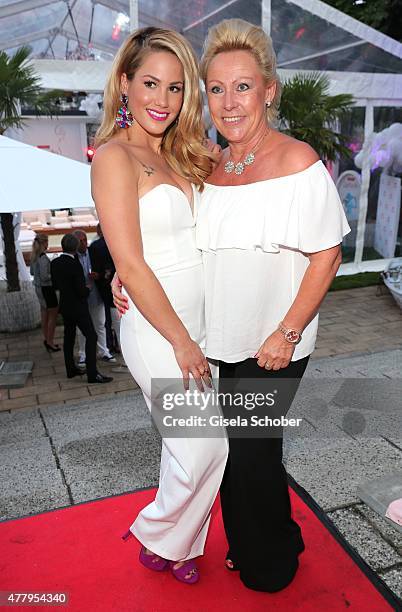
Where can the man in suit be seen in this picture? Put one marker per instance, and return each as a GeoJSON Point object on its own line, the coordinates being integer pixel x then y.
{"type": "Point", "coordinates": [68, 278]}
{"type": "Point", "coordinates": [95, 302]}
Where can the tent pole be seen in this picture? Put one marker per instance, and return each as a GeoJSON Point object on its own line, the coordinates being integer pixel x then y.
{"type": "Point", "coordinates": [266, 16]}
{"type": "Point", "coordinates": [133, 4]}
{"type": "Point", "coordinates": [366, 168]}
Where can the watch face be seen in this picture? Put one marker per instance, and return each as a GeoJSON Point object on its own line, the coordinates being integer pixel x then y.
{"type": "Point", "coordinates": [292, 336]}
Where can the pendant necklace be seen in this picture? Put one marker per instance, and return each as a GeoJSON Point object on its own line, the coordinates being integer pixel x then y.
{"type": "Point", "coordinates": [240, 166]}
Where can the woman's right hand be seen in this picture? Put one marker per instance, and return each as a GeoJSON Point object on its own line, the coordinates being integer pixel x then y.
{"type": "Point", "coordinates": [119, 300]}
{"type": "Point", "coordinates": [191, 360]}
{"type": "Point", "coordinates": [213, 148]}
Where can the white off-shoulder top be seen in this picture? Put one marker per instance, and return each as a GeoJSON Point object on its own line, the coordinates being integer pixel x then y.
{"type": "Point", "coordinates": [254, 239]}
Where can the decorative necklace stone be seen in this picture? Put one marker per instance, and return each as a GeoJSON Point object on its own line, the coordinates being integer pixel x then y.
{"type": "Point", "coordinates": [240, 166]}
{"type": "Point", "coordinates": [247, 161]}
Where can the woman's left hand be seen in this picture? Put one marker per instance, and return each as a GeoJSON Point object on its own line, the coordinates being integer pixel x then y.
{"type": "Point", "coordinates": [275, 353]}
{"type": "Point", "coordinates": [119, 299]}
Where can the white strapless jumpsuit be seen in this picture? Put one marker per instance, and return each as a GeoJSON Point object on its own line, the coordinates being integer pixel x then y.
{"type": "Point", "coordinates": [175, 524]}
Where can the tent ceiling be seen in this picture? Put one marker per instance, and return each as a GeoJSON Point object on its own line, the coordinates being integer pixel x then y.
{"type": "Point", "coordinates": [307, 34]}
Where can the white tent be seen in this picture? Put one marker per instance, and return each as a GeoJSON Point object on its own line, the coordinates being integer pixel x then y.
{"type": "Point", "coordinates": [33, 179]}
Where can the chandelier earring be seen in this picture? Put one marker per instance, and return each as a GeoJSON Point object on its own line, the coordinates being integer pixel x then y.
{"type": "Point", "coordinates": [124, 118]}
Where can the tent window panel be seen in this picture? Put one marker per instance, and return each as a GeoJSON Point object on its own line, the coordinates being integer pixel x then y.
{"type": "Point", "coordinates": [384, 116]}
{"type": "Point", "coordinates": [246, 9]}
{"type": "Point", "coordinates": [361, 58]}
{"type": "Point", "coordinates": [297, 33]}
{"type": "Point", "coordinates": [108, 31]}
{"type": "Point", "coordinates": [21, 28]}
{"type": "Point", "coordinates": [383, 235]}
{"type": "Point", "coordinates": [5, 2]}
{"type": "Point", "coordinates": [351, 125]}
{"type": "Point", "coordinates": [177, 14]}
{"type": "Point", "coordinates": [38, 48]}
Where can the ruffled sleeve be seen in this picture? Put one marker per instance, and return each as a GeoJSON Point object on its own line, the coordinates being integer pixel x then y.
{"type": "Point", "coordinates": [316, 218]}
{"type": "Point", "coordinates": [301, 211]}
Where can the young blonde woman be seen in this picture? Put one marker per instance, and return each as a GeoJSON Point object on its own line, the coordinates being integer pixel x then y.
{"type": "Point", "coordinates": [146, 176]}
{"type": "Point", "coordinates": [40, 270]}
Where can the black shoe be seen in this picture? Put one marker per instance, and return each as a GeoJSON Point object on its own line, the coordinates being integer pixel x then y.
{"type": "Point", "coordinates": [76, 372]}
{"type": "Point", "coordinates": [100, 379]}
{"type": "Point", "coordinates": [50, 348]}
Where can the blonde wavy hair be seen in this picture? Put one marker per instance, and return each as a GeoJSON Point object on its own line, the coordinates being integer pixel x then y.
{"type": "Point", "coordinates": [240, 35]}
{"type": "Point", "coordinates": [39, 246]}
{"type": "Point", "coordinates": [182, 142]}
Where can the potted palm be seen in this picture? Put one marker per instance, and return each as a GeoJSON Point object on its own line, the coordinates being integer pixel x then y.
{"type": "Point", "coordinates": [19, 86]}
{"type": "Point", "coordinates": [309, 113]}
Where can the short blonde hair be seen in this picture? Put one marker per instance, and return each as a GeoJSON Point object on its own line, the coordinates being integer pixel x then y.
{"type": "Point", "coordinates": [182, 142]}
{"type": "Point", "coordinates": [240, 35]}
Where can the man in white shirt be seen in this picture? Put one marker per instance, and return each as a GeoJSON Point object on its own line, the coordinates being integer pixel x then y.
{"type": "Point", "coordinates": [95, 304]}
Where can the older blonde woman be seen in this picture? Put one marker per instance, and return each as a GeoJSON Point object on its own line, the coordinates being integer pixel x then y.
{"type": "Point", "coordinates": [269, 227]}
{"type": "Point", "coordinates": [145, 179]}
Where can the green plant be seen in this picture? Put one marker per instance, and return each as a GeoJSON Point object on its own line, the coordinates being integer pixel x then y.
{"type": "Point", "coordinates": [19, 86]}
{"type": "Point", "coordinates": [353, 281]}
{"type": "Point", "coordinates": [308, 112]}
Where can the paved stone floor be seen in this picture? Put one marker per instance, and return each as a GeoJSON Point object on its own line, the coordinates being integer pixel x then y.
{"type": "Point", "coordinates": [48, 383]}
{"type": "Point", "coordinates": [351, 321]}
{"type": "Point", "coordinates": [352, 416]}
{"type": "Point", "coordinates": [358, 320]}
{"type": "Point", "coordinates": [60, 447]}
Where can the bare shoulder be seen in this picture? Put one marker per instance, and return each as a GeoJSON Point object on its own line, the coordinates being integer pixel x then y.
{"type": "Point", "coordinates": [114, 156]}
{"type": "Point", "coordinates": [295, 155]}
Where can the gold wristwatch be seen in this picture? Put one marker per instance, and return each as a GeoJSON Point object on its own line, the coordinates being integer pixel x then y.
{"type": "Point", "coordinates": [293, 336]}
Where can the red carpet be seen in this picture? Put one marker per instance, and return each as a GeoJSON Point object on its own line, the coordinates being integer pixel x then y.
{"type": "Point", "coordinates": [78, 550]}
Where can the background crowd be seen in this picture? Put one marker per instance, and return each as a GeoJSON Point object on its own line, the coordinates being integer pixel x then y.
{"type": "Point", "coordinates": [76, 284]}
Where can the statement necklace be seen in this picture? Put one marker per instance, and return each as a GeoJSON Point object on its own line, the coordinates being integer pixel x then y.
{"type": "Point", "coordinates": [247, 161]}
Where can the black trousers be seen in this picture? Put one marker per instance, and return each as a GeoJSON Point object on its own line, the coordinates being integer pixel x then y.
{"type": "Point", "coordinates": [264, 540]}
{"type": "Point", "coordinates": [84, 323]}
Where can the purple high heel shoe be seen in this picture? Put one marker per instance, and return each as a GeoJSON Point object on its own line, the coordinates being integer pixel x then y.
{"type": "Point", "coordinates": [152, 562]}
{"type": "Point", "coordinates": [189, 567]}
